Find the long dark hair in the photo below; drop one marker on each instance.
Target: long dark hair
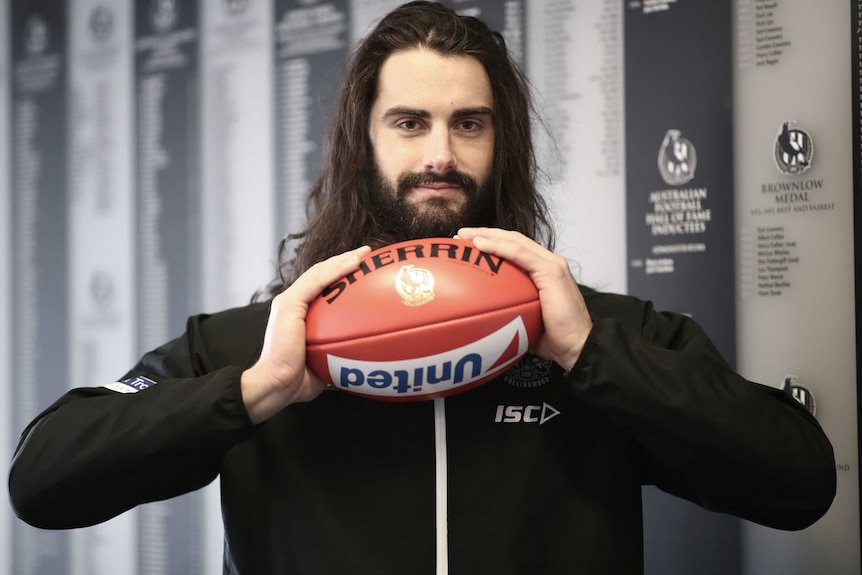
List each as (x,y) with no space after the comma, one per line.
(340,217)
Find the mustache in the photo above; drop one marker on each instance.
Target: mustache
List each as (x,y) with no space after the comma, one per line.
(409,180)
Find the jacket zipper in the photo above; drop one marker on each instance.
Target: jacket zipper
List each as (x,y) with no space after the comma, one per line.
(441,482)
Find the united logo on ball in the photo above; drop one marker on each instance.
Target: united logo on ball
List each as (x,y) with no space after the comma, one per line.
(422,319)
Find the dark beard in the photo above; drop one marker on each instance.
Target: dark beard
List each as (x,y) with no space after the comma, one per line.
(436,218)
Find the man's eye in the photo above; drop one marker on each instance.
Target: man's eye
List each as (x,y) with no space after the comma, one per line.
(409,125)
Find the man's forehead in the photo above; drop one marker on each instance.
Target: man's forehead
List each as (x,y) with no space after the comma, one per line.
(423,79)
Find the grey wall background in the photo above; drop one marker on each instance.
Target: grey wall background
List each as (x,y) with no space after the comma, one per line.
(153,153)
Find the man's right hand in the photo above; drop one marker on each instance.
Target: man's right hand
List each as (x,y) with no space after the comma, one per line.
(280,376)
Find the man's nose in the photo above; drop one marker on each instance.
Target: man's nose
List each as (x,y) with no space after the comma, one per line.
(439,156)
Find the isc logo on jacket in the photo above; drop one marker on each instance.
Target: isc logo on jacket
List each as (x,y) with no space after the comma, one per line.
(525,413)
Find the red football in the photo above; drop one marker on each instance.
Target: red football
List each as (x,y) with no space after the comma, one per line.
(422,319)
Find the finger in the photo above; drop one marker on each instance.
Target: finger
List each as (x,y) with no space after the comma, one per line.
(512,246)
(323,274)
(495,237)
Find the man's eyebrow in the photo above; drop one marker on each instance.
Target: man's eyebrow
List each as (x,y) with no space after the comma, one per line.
(477,111)
(405,111)
(416,112)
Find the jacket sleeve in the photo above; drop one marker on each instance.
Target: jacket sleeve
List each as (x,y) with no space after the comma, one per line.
(708,435)
(96,453)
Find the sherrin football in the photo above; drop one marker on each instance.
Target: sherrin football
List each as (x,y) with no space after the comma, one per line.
(422,319)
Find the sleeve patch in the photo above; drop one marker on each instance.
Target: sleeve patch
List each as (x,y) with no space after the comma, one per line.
(131,385)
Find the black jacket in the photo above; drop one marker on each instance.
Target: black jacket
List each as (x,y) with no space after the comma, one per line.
(534,472)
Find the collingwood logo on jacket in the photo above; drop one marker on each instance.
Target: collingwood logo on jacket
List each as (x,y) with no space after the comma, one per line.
(530,372)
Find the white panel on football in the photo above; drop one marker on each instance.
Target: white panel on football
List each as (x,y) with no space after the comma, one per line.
(795,266)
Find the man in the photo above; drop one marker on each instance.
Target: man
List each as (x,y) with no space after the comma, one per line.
(431,133)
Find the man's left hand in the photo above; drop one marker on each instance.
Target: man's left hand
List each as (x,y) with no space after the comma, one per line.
(564,312)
